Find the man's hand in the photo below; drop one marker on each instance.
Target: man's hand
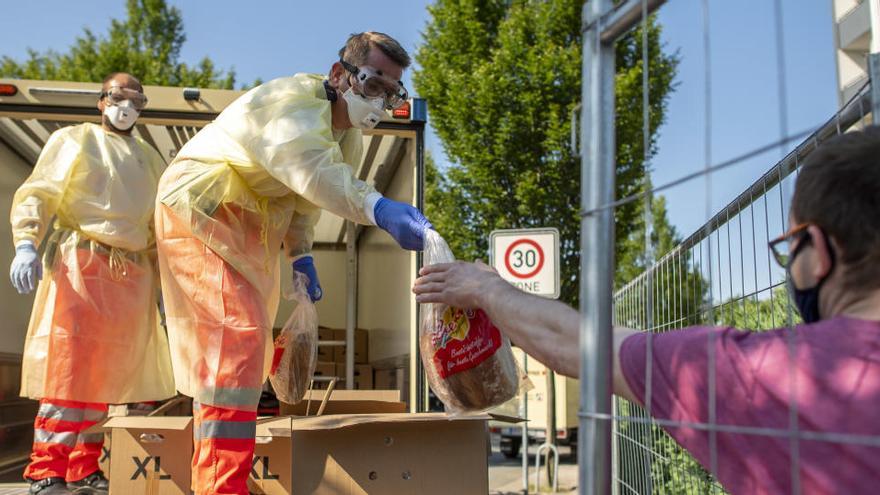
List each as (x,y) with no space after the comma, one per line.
(459,284)
(306,266)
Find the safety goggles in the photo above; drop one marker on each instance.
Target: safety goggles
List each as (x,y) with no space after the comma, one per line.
(116,95)
(370,84)
(786,246)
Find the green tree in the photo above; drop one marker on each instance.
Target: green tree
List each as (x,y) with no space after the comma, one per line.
(502,77)
(146,44)
(679,292)
(776,311)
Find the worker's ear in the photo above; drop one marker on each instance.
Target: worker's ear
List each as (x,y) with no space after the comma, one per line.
(101,104)
(338,77)
(822,256)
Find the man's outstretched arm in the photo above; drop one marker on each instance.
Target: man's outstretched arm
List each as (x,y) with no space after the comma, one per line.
(547,330)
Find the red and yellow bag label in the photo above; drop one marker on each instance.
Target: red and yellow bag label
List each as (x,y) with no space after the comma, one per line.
(463,339)
(280,344)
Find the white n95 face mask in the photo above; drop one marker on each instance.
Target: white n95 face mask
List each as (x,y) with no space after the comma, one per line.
(122,116)
(364,113)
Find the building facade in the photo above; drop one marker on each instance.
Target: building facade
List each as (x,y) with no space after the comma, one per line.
(853,20)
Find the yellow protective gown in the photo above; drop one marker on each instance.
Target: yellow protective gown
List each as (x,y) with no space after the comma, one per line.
(94,334)
(256,177)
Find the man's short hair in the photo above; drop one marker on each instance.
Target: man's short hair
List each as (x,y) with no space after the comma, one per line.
(357,48)
(109,77)
(838,189)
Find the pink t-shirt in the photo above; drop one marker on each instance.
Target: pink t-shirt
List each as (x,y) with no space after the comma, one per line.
(837,380)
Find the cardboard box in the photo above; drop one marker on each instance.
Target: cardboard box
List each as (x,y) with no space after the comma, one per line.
(177,406)
(347,402)
(363,376)
(356,454)
(151,454)
(104,460)
(324,369)
(389,379)
(326,353)
(361,346)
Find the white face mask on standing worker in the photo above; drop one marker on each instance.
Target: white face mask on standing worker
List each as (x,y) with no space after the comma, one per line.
(123,107)
(370,94)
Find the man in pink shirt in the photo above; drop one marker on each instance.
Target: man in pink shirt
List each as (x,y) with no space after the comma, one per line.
(830,373)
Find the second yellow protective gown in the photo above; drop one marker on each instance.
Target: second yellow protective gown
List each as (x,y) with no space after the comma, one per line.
(94,334)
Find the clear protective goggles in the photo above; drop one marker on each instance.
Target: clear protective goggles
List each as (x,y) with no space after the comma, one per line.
(116,95)
(369,83)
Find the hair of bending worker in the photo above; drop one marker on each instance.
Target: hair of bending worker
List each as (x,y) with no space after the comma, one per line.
(832,255)
(94,336)
(251,182)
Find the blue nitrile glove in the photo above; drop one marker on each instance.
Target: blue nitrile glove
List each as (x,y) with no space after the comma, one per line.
(26,268)
(306,266)
(406,224)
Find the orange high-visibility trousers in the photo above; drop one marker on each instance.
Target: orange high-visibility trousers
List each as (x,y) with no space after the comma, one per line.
(219,325)
(61,449)
(219,321)
(223,449)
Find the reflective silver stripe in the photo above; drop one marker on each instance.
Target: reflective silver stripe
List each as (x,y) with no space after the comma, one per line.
(65,438)
(233,398)
(58,413)
(90,438)
(228,429)
(93,415)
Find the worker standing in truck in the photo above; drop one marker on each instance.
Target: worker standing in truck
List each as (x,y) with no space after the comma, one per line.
(94,336)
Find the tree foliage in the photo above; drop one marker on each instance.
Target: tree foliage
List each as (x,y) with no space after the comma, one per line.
(146,44)
(502,78)
(752,313)
(678,292)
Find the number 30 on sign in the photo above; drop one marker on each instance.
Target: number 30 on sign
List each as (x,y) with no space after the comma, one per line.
(528,259)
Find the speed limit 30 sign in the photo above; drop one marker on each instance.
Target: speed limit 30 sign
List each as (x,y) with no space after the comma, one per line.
(528,259)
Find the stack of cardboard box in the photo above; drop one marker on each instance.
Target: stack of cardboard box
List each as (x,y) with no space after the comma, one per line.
(331,359)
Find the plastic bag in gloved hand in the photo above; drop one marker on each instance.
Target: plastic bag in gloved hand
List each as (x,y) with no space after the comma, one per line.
(468,362)
(296,347)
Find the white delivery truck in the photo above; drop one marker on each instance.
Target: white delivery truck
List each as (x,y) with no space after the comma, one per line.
(366,277)
(567,402)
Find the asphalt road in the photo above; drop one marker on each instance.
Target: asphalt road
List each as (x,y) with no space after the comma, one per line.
(505,475)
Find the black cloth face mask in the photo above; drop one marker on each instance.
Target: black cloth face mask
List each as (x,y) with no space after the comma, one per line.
(807,300)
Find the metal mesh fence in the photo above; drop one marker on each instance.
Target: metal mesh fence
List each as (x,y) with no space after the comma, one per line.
(721,275)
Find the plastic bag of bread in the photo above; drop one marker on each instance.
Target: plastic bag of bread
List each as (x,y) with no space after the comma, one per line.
(468,361)
(296,347)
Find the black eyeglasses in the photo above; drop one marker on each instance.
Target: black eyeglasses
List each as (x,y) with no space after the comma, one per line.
(783,248)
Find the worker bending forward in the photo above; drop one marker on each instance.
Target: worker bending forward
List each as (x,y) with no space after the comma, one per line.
(253,180)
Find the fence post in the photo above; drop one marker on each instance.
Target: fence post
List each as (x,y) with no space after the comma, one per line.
(597,259)
(524,411)
(874,59)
